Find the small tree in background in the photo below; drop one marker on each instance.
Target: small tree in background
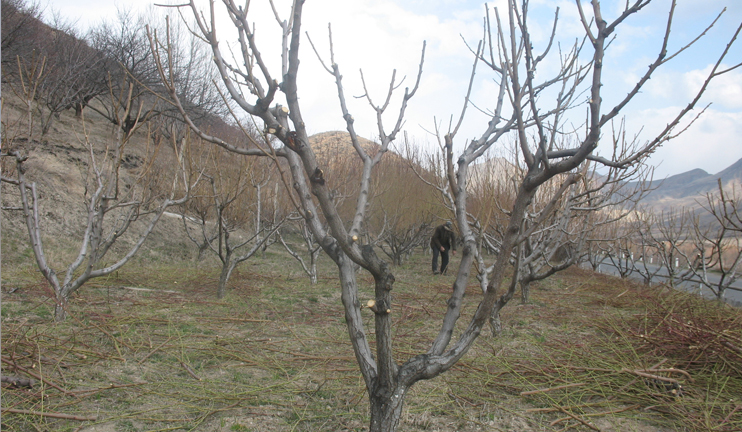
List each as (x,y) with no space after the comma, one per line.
(312,248)
(645,244)
(228,211)
(669,233)
(716,258)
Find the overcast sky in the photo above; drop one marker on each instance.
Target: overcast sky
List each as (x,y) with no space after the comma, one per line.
(379,36)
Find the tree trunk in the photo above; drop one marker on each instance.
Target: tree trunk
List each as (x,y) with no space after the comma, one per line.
(386,410)
(313,269)
(202,248)
(60,309)
(223,279)
(525,291)
(46,124)
(495,322)
(78,110)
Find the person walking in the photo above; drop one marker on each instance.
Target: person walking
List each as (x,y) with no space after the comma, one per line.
(443,240)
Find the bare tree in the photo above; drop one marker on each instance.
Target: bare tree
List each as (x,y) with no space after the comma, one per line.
(129,65)
(557,232)
(31,73)
(646,245)
(113,204)
(22,30)
(717,243)
(670,235)
(128,62)
(311,246)
(50,68)
(251,84)
(75,75)
(228,201)
(620,254)
(266,192)
(554,243)
(400,241)
(402,212)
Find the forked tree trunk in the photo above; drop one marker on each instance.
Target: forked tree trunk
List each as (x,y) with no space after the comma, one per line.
(381,375)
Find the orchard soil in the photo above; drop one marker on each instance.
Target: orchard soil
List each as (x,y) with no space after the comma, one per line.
(152,349)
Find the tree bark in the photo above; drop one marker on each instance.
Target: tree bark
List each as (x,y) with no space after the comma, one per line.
(224,278)
(60,308)
(386,409)
(525,290)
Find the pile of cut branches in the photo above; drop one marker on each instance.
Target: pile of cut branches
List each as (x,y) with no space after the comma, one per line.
(699,335)
(670,357)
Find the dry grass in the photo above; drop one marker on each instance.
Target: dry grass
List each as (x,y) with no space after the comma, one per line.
(274,355)
(589,353)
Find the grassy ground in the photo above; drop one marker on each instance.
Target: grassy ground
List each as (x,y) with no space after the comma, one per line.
(152,349)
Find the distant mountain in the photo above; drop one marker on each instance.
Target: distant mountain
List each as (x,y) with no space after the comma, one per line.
(686,189)
(733,173)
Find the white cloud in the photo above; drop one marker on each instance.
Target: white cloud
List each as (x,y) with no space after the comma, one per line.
(674,87)
(725,90)
(712,143)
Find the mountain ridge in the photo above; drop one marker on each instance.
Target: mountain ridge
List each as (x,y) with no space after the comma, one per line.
(684,189)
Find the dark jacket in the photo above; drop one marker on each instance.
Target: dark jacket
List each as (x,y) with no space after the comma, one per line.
(443,236)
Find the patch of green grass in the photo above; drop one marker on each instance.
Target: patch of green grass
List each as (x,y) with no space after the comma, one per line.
(186,328)
(10,310)
(45,312)
(125,426)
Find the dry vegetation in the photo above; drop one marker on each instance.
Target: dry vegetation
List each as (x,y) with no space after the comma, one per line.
(151,349)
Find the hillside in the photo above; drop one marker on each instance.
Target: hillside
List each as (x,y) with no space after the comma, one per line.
(59,164)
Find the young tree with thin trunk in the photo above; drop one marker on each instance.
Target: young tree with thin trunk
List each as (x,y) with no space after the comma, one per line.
(311,246)
(31,73)
(508,52)
(646,245)
(716,259)
(225,207)
(620,253)
(670,232)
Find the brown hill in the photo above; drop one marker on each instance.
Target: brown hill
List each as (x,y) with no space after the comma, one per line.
(337,145)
